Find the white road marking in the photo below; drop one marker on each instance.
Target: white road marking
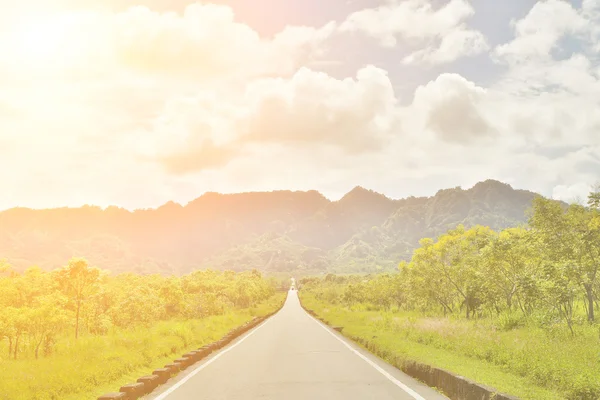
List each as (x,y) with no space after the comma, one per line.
(395,381)
(206,364)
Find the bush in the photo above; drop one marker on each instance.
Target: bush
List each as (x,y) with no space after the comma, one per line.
(510,321)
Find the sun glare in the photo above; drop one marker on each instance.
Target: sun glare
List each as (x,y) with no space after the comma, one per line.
(38,38)
(44,41)
(41,39)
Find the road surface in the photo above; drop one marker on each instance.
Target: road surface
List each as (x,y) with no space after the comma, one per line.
(293,356)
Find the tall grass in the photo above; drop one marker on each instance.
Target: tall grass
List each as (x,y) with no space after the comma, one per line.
(508,354)
(87,367)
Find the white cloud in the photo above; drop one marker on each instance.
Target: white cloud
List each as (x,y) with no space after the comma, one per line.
(451,108)
(166,106)
(311,109)
(354,114)
(550,101)
(538,33)
(441,31)
(577,192)
(206,41)
(203,43)
(191,134)
(590,10)
(413,19)
(458,43)
(90,99)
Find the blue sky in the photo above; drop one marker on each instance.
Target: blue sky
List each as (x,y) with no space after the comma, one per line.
(139,102)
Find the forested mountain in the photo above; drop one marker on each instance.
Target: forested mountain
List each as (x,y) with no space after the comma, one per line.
(272,231)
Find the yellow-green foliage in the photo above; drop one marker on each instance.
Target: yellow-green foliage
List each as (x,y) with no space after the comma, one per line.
(75,332)
(521,304)
(87,367)
(528,361)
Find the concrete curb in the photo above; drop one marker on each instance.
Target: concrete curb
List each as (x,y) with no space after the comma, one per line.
(149,383)
(454,386)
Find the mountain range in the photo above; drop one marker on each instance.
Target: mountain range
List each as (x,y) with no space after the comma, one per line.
(279,231)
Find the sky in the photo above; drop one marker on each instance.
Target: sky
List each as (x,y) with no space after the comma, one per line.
(139,102)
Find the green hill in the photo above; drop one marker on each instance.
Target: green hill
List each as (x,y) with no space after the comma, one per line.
(273,231)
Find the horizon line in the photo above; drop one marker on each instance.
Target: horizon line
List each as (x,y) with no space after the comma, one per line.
(104,208)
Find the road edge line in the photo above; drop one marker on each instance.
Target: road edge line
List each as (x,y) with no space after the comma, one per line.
(382,371)
(180,383)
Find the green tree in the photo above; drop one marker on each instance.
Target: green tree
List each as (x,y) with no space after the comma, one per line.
(78,281)
(512,264)
(448,268)
(7,327)
(571,241)
(594,198)
(46,318)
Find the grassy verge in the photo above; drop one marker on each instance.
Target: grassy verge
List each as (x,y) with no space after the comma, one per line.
(91,366)
(526,362)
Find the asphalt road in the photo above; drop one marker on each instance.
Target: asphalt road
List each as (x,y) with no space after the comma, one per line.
(293,356)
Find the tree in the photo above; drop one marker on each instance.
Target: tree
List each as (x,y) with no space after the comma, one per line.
(7,326)
(172,297)
(18,318)
(425,281)
(48,317)
(5,268)
(447,269)
(594,197)
(571,241)
(78,281)
(512,264)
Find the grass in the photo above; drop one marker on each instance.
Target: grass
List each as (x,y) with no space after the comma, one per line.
(525,361)
(93,365)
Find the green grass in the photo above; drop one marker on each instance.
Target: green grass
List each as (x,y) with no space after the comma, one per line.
(527,362)
(93,365)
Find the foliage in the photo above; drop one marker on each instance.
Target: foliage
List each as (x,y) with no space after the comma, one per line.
(96,364)
(526,361)
(76,328)
(523,299)
(38,308)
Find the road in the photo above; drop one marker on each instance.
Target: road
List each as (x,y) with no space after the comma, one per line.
(293,356)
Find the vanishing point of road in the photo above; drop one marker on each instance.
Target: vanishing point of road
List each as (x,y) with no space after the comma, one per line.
(292,356)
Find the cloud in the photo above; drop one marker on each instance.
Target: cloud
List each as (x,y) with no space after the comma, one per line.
(298,46)
(413,19)
(202,43)
(143,107)
(549,96)
(458,43)
(355,115)
(539,32)
(311,109)
(550,102)
(577,192)
(201,157)
(452,108)
(442,31)
(191,133)
(590,10)
(206,41)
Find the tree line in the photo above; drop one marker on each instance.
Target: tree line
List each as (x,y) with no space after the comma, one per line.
(547,268)
(39,307)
